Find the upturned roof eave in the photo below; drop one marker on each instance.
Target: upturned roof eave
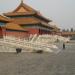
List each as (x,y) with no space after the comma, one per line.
(16,30)
(10,14)
(48,20)
(4,19)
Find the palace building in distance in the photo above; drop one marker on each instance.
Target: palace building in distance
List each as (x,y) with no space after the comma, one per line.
(23,21)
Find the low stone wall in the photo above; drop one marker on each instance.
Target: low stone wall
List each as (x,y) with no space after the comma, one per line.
(7,48)
(11,48)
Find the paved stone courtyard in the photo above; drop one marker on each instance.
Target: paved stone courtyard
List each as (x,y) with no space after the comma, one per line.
(62,63)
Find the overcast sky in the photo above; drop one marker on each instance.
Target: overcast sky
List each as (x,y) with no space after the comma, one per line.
(61,12)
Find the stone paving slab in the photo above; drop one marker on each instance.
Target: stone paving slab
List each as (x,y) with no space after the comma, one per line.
(62,63)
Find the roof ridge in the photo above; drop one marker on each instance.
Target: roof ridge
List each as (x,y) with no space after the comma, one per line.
(25,6)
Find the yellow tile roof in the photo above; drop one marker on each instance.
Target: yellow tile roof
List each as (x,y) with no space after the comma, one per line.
(14,26)
(3,18)
(31,20)
(68,33)
(24,9)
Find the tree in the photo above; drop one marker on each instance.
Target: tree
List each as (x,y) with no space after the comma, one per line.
(67,30)
(63,30)
(72,30)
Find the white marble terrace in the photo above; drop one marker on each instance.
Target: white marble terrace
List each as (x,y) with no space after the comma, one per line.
(34,43)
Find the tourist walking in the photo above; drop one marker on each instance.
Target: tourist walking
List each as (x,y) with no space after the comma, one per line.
(63,45)
(18,50)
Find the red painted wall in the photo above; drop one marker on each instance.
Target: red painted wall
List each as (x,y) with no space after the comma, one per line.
(24,34)
(44,32)
(37,31)
(32,30)
(17,34)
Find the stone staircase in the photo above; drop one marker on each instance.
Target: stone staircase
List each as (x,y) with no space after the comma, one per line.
(9,44)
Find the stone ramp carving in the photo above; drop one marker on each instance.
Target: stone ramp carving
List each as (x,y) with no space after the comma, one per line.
(10,46)
(35,42)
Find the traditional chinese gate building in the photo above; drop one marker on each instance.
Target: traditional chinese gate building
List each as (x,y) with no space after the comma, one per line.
(24,21)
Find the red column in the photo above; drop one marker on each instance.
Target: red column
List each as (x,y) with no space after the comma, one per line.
(1,33)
